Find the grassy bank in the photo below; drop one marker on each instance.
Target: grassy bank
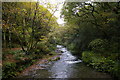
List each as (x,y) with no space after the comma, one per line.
(15,61)
(108,63)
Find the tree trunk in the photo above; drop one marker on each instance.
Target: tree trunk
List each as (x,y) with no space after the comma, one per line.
(9,39)
(4,39)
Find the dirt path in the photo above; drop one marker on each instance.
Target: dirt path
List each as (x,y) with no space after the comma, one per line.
(13,49)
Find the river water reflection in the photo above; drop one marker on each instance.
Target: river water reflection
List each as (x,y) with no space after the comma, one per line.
(67,67)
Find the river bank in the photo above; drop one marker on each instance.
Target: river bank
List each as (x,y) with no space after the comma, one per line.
(101,63)
(15,62)
(45,59)
(68,66)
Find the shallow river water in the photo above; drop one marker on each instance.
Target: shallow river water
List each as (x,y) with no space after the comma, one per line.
(67,67)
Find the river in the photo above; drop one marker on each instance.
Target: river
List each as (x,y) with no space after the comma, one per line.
(68,66)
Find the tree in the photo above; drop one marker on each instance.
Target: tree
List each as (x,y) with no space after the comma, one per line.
(90,21)
(29,22)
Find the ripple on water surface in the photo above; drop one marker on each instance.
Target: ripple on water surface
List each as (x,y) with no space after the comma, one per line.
(67,67)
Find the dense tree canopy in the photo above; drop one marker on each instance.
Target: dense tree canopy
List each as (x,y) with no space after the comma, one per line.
(27,24)
(89,21)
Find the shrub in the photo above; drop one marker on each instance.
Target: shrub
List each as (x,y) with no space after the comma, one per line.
(9,69)
(41,48)
(101,63)
(87,56)
(98,45)
(19,56)
(9,64)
